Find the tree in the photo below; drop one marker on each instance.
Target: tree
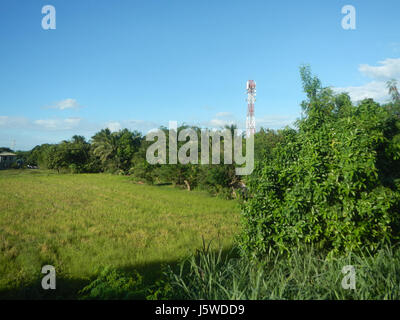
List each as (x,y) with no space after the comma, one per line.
(78,153)
(128,144)
(328,182)
(116,149)
(231,128)
(57,157)
(105,146)
(265,141)
(5,149)
(393,91)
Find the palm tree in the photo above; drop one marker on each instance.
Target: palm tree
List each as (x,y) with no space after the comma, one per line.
(76,139)
(231,128)
(105,145)
(393,91)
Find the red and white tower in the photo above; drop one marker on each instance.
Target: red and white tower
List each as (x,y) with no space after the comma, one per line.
(251,98)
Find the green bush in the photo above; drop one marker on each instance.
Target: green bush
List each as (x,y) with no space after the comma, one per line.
(332,183)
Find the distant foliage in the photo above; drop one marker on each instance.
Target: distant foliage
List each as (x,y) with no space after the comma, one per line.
(112,284)
(218,179)
(334,182)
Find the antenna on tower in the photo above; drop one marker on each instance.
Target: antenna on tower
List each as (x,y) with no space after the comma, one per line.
(13,145)
(251,98)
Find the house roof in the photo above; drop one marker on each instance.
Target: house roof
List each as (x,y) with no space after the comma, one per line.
(7,154)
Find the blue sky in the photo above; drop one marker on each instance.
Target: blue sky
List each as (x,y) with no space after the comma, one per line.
(139,64)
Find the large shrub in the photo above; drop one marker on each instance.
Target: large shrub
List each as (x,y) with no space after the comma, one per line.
(333,182)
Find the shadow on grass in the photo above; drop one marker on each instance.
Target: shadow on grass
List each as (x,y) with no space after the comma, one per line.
(162,184)
(68,288)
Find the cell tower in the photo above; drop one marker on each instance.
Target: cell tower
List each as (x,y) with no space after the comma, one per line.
(251,98)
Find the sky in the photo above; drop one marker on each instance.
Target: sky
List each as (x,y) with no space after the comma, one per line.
(140,64)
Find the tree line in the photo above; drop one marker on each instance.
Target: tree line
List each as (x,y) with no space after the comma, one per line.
(124,153)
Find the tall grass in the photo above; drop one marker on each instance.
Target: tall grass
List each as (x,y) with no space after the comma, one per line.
(307,274)
(82,223)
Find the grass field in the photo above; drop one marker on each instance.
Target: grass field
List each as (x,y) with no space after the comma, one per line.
(81,223)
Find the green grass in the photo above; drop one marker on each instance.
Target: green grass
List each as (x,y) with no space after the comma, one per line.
(83,223)
(306,275)
(110,238)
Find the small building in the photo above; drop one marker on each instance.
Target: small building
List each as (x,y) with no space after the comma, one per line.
(7,159)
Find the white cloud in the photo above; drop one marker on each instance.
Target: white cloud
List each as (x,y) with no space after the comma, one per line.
(114,126)
(65,104)
(388,69)
(143,126)
(224,115)
(274,121)
(221,119)
(376,89)
(48,123)
(58,124)
(219,122)
(72,121)
(267,121)
(12,122)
